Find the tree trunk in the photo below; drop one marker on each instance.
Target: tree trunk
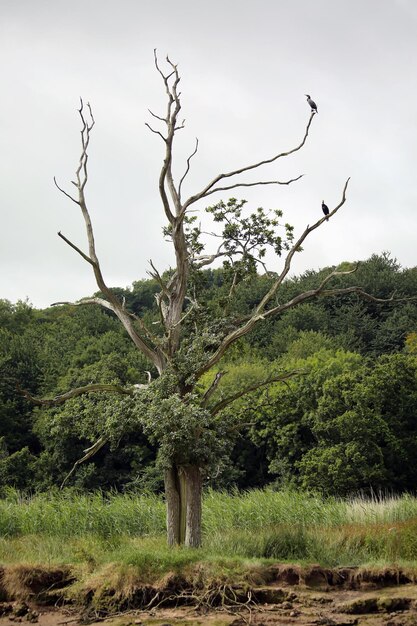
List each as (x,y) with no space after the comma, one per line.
(183,501)
(192,476)
(172,497)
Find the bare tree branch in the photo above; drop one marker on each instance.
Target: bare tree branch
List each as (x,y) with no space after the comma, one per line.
(172,303)
(191,308)
(74,393)
(170,197)
(255,184)
(173,293)
(233,285)
(243,392)
(338,291)
(213,387)
(260,313)
(74,247)
(95,300)
(157,132)
(111,302)
(158,117)
(173,108)
(187,169)
(157,276)
(204,192)
(208,259)
(89,453)
(64,192)
(163,297)
(154,339)
(297,246)
(81,172)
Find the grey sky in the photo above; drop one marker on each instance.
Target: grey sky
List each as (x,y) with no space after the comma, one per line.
(245,68)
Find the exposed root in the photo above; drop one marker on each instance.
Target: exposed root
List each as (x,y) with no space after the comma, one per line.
(204,588)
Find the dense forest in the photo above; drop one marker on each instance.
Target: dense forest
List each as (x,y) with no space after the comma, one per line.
(346,421)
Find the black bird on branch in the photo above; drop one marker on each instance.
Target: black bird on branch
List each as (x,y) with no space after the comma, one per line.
(312,104)
(325,209)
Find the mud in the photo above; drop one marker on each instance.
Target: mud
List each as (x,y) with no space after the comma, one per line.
(291,595)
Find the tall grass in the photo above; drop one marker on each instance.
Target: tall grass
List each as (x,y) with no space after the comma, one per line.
(64,514)
(256,509)
(261,524)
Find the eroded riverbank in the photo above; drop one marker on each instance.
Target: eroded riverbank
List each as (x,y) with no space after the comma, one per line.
(291,595)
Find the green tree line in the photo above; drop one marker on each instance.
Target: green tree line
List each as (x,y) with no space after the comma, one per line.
(346,422)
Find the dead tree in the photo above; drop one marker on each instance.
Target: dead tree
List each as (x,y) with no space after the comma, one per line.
(176,303)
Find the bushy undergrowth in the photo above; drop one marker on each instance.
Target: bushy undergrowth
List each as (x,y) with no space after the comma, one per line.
(93,530)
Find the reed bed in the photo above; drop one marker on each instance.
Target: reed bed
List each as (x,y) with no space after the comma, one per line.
(259,525)
(258,508)
(68,514)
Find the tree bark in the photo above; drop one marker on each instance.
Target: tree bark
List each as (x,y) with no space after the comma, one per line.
(183,495)
(172,496)
(192,475)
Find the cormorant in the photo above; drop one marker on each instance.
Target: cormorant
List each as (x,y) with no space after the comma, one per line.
(312,104)
(325,208)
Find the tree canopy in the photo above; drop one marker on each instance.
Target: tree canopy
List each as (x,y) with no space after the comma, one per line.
(347,422)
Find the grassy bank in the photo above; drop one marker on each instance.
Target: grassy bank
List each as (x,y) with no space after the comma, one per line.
(257,526)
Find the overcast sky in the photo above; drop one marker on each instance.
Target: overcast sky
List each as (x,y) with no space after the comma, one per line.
(245,68)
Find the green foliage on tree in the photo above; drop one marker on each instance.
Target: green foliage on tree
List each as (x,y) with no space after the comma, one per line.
(46,352)
(360,325)
(346,422)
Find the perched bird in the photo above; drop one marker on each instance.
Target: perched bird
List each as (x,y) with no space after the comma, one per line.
(325,209)
(312,104)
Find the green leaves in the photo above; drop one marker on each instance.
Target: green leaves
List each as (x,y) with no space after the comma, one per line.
(348,424)
(310,431)
(184,431)
(245,240)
